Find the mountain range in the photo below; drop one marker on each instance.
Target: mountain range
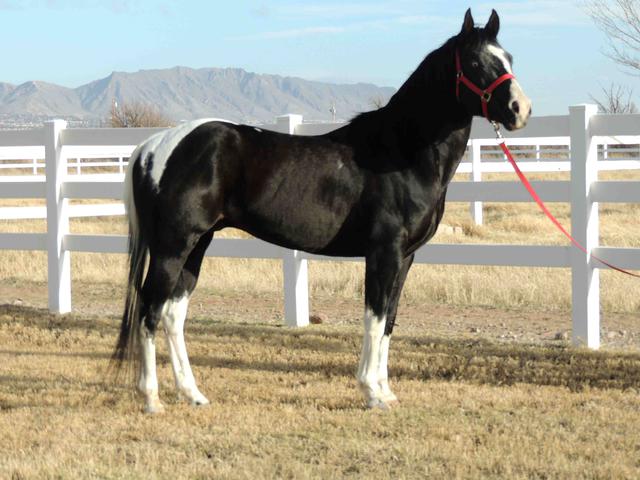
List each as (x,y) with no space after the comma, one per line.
(182,93)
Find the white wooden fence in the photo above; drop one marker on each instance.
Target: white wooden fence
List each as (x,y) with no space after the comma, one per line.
(539,155)
(583,128)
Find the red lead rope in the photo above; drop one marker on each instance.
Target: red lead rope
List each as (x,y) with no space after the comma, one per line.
(544,208)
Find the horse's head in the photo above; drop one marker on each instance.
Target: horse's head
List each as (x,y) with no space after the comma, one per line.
(485,84)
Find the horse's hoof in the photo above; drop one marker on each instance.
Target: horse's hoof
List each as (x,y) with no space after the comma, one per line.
(391,402)
(200,401)
(154,408)
(378,404)
(386,394)
(196,398)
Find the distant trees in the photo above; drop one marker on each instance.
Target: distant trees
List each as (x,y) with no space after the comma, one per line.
(136,114)
(620,21)
(616,99)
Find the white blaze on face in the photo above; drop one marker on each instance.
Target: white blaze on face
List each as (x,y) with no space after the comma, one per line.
(519,103)
(502,56)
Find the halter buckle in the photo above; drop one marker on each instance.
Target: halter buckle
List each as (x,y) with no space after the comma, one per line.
(486,96)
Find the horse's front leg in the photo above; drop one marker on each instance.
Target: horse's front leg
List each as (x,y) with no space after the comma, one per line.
(383,268)
(383,375)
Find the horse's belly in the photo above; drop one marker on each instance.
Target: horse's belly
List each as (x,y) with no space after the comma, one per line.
(304,206)
(303,226)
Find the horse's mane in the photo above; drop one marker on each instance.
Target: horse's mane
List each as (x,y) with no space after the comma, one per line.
(422,109)
(431,73)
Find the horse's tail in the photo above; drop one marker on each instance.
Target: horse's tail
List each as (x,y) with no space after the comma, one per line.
(127,346)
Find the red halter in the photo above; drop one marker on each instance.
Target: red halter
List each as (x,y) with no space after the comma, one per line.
(485,95)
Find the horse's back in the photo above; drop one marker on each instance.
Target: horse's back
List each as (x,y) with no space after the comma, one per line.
(154,154)
(293,191)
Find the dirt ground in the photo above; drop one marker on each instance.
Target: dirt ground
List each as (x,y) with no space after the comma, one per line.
(619,331)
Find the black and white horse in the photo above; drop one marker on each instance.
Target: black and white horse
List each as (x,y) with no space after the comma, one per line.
(374,188)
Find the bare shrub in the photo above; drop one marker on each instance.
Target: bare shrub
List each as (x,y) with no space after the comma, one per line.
(620,21)
(137,114)
(377,101)
(616,99)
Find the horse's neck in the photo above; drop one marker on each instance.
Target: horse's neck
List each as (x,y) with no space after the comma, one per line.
(422,123)
(425,106)
(425,116)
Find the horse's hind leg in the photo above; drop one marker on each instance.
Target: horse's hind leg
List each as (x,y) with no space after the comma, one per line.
(161,280)
(173,317)
(148,379)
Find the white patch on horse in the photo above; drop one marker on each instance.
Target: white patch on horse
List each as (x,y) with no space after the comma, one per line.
(257,129)
(516,94)
(174,313)
(148,380)
(369,369)
(162,145)
(502,56)
(383,373)
(129,204)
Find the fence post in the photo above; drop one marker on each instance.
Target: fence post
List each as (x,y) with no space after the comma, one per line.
(288,123)
(58,259)
(296,290)
(475,153)
(585,279)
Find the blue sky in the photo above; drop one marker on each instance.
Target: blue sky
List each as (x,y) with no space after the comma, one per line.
(557,49)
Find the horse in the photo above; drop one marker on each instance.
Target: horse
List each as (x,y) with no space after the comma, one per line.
(374,188)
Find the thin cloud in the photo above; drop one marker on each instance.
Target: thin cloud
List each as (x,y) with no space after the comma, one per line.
(291,33)
(390,16)
(113,6)
(261,11)
(538,13)
(383,24)
(337,10)
(12,5)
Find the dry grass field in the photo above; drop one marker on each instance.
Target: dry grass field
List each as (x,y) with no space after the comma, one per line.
(285,405)
(489,386)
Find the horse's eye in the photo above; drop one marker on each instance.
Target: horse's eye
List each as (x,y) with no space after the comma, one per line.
(475,64)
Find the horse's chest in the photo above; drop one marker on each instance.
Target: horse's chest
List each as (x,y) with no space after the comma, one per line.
(428,191)
(421,226)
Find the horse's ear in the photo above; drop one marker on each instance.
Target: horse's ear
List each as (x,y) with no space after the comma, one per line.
(467,24)
(493,25)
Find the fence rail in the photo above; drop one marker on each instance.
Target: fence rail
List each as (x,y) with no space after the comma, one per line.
(615,153)
(581,130)
(537,158)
